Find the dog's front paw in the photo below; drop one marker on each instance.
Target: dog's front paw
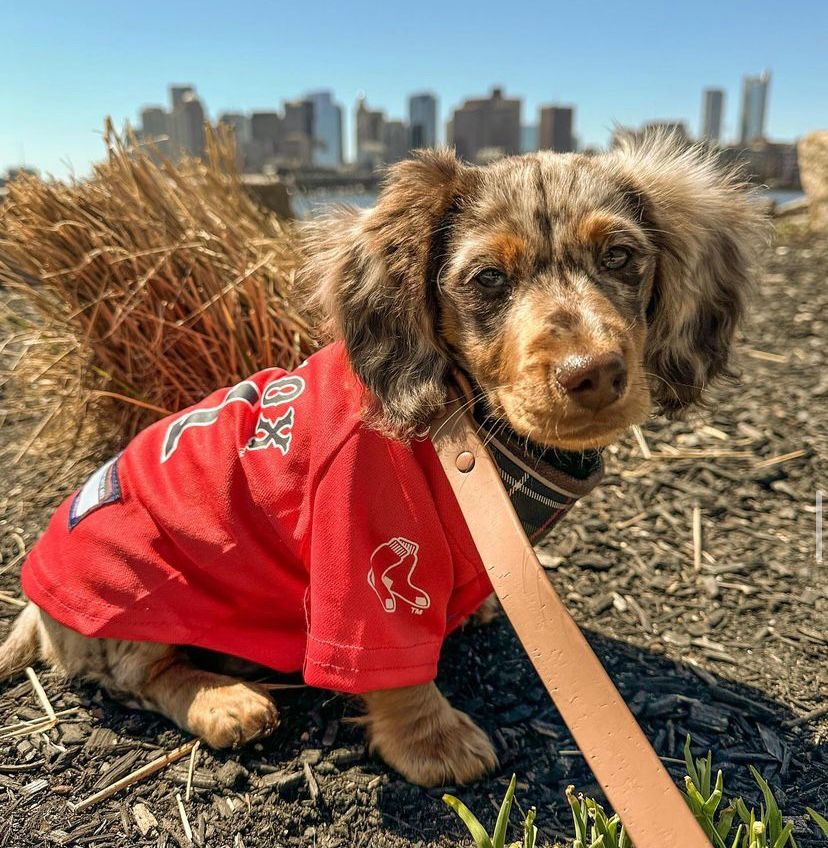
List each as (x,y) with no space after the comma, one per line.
(231,715)
(451,750)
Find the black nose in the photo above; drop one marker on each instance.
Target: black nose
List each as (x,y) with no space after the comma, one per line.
(593,382)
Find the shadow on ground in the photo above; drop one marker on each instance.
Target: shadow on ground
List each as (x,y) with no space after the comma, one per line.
(263,795)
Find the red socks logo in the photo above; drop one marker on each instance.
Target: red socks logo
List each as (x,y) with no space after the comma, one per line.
(392,565)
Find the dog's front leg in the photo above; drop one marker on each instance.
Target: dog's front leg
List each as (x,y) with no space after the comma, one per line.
(418,732)
(224,711)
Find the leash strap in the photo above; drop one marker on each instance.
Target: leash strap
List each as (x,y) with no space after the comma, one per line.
(636,783)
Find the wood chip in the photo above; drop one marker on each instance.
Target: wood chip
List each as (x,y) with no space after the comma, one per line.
(117,769)
(190,768)
(310,779)
(642,442)
(715,433)
(185,822)
(34,787)
(642,616)
(773,744)
(40,692)
(765,356)
(139,774)
(37,725)
(144,819)
(698,453)
(100,739)
(5,597)
(778,460)
(697,538)
(281,780)
(817,712)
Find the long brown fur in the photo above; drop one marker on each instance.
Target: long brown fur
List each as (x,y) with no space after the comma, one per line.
(401,285)
(393,281)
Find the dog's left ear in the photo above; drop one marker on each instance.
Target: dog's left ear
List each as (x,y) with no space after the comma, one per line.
(373,277)
(708,229)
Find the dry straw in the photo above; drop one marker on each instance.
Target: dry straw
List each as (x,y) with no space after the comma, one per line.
(170,280)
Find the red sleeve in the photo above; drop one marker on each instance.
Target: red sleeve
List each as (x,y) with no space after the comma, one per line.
(380,571)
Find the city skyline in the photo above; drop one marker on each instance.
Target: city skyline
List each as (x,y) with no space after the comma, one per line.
(65,72)
(307,132)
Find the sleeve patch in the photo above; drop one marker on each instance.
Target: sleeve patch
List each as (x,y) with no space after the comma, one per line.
(102,488)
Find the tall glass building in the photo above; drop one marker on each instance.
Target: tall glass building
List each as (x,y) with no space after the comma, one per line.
(327,130)
(422,120)
(754,107)
(712,109)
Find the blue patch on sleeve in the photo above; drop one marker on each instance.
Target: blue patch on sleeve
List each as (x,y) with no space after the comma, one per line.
(103,487)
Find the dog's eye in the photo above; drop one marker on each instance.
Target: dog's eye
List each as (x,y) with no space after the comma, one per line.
(492,279)
(615,258)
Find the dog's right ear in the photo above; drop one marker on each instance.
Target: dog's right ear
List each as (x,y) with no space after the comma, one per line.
(371,276)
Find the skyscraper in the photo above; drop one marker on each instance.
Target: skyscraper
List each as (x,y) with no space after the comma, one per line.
(265,135)
(555,131)
(422,120)
(712,108)
(154,122)
(178,92)
(188,125)
(239,123)
(155,128)
(327,129)
(296,144)
(369,134)
(754,107)
(395,141)
(491,124)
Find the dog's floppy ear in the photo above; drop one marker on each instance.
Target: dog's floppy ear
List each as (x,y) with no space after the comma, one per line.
(373,275)
(708,229)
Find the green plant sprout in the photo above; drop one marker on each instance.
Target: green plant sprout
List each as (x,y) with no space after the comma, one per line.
(704,795)
(498,837)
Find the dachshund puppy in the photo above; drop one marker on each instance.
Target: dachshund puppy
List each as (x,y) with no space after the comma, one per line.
(576,293)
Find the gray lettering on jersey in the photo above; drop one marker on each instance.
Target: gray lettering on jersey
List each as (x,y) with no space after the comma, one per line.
(246,392)
(277,434)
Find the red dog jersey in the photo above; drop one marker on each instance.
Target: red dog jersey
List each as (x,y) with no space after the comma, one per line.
(270,523)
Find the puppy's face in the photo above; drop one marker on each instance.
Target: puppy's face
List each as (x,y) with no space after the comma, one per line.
(576,292)
(542,295)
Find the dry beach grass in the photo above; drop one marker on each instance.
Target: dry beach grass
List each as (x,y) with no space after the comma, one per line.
(169,280)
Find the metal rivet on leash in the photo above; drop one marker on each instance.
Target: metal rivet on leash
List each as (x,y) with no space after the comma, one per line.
(465,461)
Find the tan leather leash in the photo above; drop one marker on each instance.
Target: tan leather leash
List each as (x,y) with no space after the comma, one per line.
(636,783)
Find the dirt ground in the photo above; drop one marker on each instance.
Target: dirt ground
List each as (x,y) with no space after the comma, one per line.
(734,653)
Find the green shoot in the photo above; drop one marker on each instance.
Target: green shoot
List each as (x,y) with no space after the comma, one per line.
(704,795)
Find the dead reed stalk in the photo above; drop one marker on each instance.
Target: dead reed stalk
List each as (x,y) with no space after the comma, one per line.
(169,278)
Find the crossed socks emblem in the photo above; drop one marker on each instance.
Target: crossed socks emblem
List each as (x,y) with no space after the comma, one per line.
(392,565)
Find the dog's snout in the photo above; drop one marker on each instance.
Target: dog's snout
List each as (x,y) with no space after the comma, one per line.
(593,382)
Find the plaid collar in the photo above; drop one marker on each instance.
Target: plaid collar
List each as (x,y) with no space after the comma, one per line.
(543,483)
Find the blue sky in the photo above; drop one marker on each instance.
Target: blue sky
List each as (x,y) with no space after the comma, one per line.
(64,65)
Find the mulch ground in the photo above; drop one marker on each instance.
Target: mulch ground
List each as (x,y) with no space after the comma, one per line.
(733,652)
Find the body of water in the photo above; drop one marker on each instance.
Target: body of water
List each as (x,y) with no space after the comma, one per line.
(783,195)
(304,205)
